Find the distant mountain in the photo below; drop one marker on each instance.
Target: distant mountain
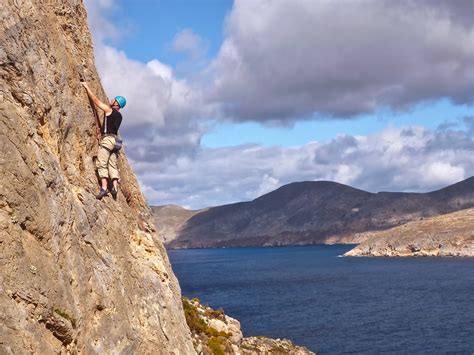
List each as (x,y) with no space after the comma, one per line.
(169,219)
(310,213)
(451,234)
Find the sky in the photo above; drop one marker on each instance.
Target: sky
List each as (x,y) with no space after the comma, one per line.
(229,100)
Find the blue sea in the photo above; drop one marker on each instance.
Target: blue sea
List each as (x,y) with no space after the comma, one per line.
(333,304)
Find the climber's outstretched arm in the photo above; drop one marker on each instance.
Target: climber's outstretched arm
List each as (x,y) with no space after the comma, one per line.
(104,107)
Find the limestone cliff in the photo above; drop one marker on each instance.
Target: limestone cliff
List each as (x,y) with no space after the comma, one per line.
(76,274)
(451,234)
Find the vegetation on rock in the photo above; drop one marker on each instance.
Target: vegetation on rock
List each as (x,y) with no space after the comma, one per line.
(216,333)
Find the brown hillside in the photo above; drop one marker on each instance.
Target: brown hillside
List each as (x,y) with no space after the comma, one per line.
(314,212)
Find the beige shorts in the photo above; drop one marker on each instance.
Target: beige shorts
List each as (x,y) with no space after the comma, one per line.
(106,160)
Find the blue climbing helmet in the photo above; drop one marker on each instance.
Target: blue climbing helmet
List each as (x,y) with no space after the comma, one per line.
(121,101)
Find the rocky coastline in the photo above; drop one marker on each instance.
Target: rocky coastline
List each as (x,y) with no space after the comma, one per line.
(214,332)
(447,235)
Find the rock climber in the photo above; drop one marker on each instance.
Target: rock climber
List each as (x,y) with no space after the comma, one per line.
(109,144)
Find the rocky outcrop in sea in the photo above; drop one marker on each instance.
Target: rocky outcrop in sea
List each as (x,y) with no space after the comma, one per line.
(451,234)
(214,332)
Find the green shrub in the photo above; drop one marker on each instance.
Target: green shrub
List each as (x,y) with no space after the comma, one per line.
(216,313)
(195,322)
(213,332)
(215,344)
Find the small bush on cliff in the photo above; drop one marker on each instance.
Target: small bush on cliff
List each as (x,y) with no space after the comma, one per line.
(216,346)
(216,313)
(195,323)
(215,333)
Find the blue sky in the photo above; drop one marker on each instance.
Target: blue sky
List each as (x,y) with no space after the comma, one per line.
(229,100)
(151,26)
(149,29)
(429,115)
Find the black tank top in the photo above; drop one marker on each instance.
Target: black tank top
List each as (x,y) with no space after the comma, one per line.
(111,123)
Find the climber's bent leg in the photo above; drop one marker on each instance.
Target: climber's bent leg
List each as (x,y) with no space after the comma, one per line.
(103,155)
(113,172)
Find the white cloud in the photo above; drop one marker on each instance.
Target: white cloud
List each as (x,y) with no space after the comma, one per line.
(162,119)
(163,116)
(395,159)
(289,59)
(442,173)
(346,174)
(101,27)
(267,184)
(187,41)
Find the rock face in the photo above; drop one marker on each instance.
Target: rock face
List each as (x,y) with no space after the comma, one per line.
(447,235)
(216,333)
(312,213)
(76,274)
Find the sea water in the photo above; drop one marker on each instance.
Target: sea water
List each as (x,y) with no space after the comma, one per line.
(337,305)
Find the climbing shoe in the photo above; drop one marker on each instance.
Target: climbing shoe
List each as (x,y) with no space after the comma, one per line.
(114,193)
(101,194)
